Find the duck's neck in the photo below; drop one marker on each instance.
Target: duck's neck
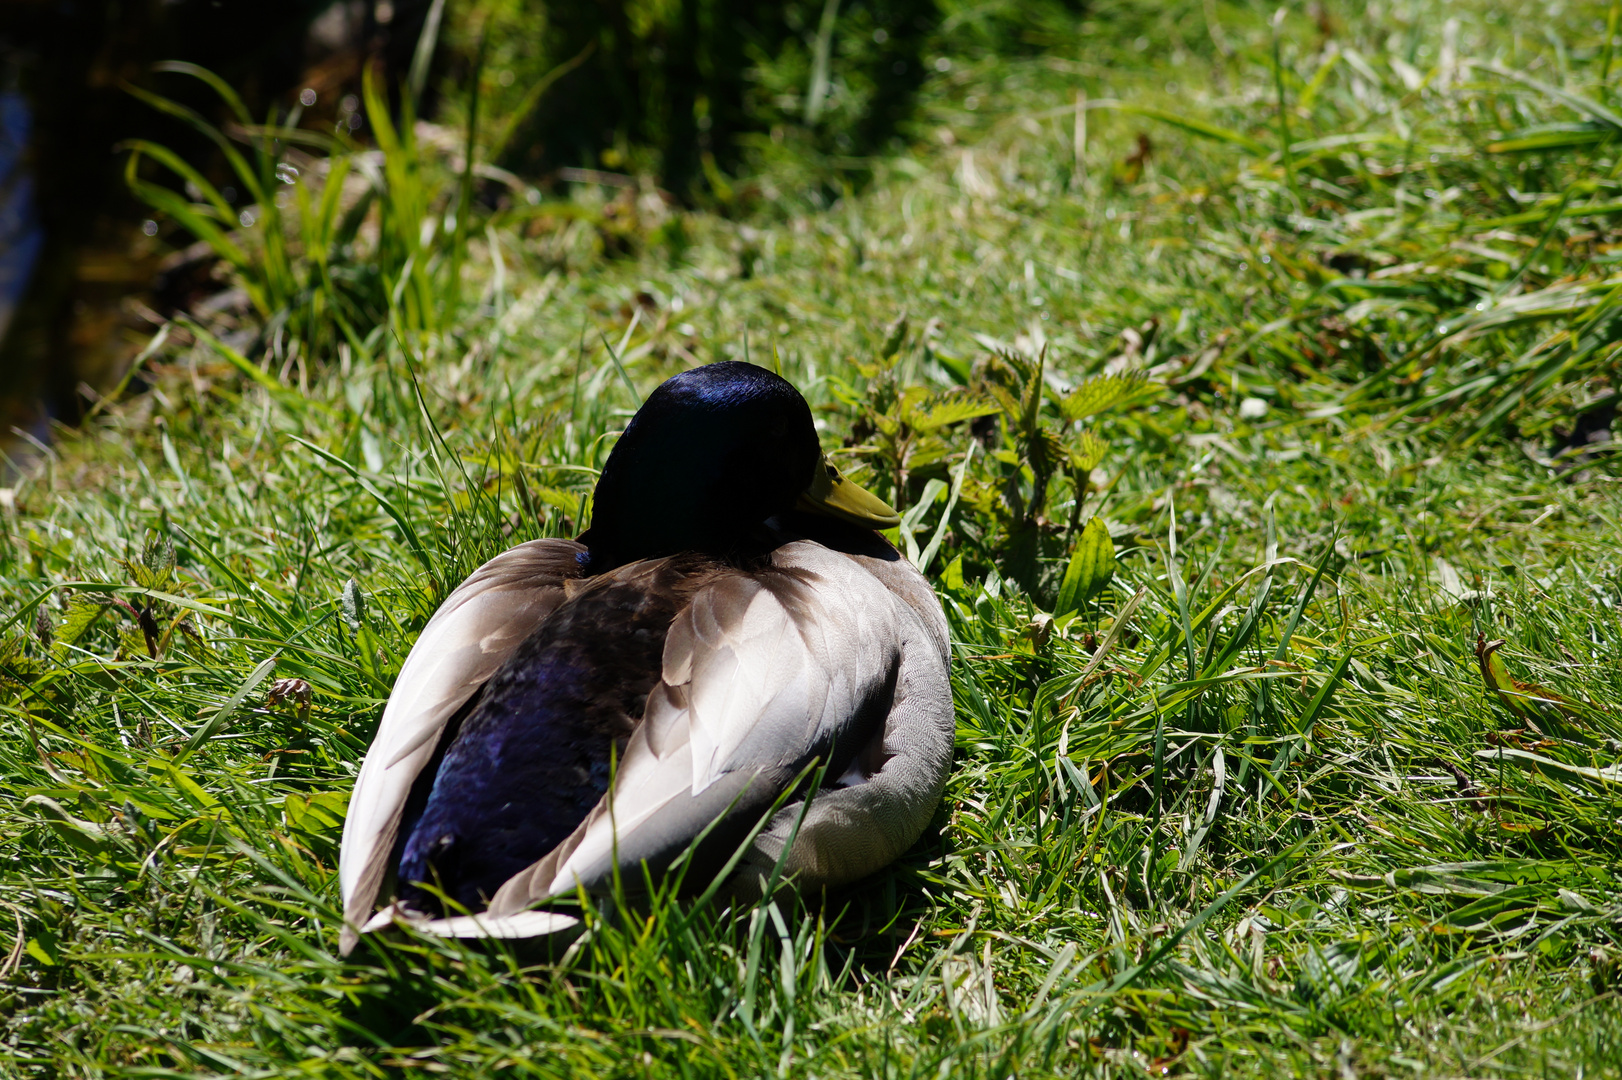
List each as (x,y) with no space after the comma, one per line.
(651,508)
(610,548)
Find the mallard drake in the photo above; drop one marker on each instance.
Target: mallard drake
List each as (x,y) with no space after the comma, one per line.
(729,619)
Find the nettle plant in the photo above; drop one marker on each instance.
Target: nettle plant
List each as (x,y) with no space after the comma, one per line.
(1018,453)
(902,430)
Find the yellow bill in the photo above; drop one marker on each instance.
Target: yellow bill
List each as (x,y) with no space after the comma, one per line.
(830,493)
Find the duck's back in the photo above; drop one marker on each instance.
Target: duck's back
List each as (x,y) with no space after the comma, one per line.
(817,660)
(706,692)
(535,752)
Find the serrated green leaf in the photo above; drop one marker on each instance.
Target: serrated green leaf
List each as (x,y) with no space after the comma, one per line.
(1046,450)
(1088,451)
(1099,393)
(944,412)
(1005,400)
(157,563)
(1092,565)
(322,813)
(19,666)
(1031,403)
(132,644)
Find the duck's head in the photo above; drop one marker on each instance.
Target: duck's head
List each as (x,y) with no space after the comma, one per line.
(711,454)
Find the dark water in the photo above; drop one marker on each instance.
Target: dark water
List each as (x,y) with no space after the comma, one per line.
(86,274)
(20,234)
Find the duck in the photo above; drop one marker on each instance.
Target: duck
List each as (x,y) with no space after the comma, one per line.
(730,671)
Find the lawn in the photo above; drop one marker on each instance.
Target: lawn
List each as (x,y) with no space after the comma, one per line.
(1244,383)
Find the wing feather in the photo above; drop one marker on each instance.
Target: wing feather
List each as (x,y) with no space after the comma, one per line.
(761,673)
(469,637)
(884,801)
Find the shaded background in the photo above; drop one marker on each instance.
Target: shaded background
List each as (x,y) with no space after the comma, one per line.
(80,275)
(683,92)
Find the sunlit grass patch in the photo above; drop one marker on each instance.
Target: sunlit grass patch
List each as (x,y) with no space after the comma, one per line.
(1223,519)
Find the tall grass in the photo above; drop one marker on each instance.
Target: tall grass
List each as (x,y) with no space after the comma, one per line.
(337,243)
(1226,527)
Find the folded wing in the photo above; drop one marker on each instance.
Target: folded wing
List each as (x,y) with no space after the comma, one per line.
(469,637)
(763,673)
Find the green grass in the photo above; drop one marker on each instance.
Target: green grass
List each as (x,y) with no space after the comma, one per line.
(1248,808)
